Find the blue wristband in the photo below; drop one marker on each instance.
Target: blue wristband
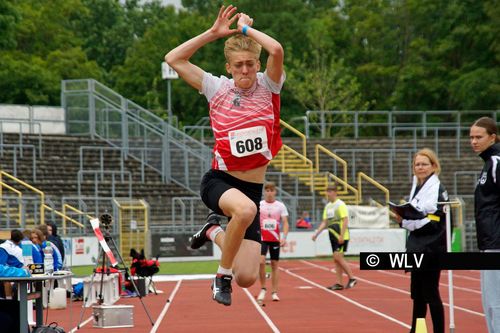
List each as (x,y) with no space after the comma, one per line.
(244,30)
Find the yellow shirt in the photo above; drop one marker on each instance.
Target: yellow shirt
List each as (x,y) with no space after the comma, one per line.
(334,213)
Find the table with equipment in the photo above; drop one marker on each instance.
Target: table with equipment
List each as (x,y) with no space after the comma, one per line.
(26,294)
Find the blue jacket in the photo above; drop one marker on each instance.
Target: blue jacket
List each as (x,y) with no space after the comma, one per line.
(6,271)
(37,254)
(11,254)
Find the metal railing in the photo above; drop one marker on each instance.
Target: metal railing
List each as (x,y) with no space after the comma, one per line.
(32,208)
(83,208)
(362,176)
(457,131)
(93,154)
(15,153)
(39,205)
(20,132)
(357,123)
(386,156)
(96,110)
(100,180)
(321,149)
(460,174)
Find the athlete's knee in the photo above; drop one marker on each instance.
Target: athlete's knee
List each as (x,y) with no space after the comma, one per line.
(245,279)
(338,255)
(246,213)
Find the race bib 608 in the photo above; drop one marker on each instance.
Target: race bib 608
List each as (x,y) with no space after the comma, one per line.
(248,141)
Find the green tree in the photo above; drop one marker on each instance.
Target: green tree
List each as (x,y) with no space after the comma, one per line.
(8,19)
(48,25)
(326,84)
(47,52)
(106,32)
(25,79)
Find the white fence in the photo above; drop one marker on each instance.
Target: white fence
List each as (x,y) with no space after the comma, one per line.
(32,119)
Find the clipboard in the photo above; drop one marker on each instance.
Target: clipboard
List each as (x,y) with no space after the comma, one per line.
(407,211)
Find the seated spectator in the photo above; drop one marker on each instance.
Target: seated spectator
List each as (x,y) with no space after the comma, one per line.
(304,222)
(58,259)
(11,253)
(37,239)
(55,238)
(11,260)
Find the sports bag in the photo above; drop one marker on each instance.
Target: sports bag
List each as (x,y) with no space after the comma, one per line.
(51,328)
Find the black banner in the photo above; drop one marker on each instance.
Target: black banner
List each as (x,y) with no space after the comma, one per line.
(429,261)
(177,245)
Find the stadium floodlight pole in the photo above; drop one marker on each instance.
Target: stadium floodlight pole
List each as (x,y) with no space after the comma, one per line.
(447,211)
(168,73)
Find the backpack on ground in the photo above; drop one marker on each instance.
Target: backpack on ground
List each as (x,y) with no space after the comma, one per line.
(51,328)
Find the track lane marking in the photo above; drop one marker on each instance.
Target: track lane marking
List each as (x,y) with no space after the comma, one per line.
(85,322)
(397,289)
(262,313)
(166,307)
(440,283)
(378,313)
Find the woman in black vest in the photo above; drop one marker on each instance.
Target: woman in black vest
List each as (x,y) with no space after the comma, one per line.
(485,142)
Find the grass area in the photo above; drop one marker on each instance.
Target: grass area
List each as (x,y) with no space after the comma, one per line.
(185,267)
(190,267)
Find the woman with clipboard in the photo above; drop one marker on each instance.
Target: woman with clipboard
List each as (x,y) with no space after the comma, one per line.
(427,234)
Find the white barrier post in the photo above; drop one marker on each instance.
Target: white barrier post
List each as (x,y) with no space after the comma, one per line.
(447,210)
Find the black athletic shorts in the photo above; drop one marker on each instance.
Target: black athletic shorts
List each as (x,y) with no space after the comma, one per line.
(215,183)
(274,249)
(336,247)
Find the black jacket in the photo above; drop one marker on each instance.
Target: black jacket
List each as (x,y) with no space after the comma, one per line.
(54,238)
(431,237)
(487,200)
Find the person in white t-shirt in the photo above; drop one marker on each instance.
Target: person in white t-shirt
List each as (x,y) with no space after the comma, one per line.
(245,119)
(273,220)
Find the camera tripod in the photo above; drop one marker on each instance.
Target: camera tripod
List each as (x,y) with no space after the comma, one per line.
(105,220)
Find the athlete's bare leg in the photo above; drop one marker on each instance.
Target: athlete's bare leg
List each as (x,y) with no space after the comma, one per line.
(242,255)
(274,275)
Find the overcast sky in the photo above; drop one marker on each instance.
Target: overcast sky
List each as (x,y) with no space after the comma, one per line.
(177,3)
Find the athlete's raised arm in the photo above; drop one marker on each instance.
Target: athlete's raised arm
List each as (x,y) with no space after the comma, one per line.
(274,66)
(178,58)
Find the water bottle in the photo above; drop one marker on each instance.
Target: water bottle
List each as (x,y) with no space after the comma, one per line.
(27,247)
(48,259)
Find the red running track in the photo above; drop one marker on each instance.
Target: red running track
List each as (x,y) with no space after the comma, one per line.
(380,302)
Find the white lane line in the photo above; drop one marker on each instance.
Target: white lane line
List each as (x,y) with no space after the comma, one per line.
(262,313)
(359,278)
(399,290)
(298,269)
(347,299)
(165,308)
(81,325)
(465,277)
(444,274)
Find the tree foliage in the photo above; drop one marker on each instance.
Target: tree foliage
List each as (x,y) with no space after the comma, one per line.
(344,55)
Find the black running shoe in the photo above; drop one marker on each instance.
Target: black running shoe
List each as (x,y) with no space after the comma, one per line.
(200,238)
(336,286)
(351,283)
(222,290)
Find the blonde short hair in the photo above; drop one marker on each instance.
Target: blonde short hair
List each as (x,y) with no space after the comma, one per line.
(269,185)
(431,155)
(240,42)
